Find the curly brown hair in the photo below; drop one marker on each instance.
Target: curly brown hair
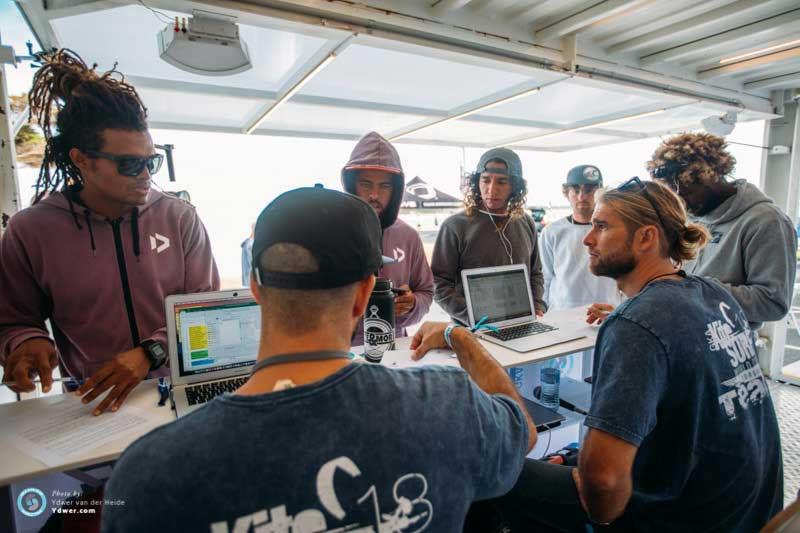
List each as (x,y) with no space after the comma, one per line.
(85,104)
(473,202)
(704,156)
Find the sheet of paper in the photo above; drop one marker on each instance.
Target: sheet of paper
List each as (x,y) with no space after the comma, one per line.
(402,358)
(67,429)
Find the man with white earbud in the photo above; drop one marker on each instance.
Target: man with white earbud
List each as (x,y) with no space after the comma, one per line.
(492,230)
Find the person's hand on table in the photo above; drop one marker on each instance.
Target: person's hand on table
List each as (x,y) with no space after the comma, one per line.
(34,356)
(404,303)
(539,314)
(598,312)
(120,375)
(429,336)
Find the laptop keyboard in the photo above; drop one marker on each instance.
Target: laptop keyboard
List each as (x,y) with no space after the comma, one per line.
(205,392)
(523,330)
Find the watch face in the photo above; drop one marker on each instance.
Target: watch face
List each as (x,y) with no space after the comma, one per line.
(157,350)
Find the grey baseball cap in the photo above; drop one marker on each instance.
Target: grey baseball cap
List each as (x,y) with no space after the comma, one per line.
(584,175)
(509,157)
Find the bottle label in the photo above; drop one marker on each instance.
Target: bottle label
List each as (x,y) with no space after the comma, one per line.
(378,334)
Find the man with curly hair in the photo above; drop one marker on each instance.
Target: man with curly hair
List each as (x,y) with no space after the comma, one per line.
(753,243)
(492,230)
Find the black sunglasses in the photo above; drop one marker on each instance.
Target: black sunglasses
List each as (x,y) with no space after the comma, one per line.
(131,165)
(636,185)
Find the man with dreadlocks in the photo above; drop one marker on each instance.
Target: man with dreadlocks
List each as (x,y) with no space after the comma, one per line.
(492,230)
(100,253)
(753,243)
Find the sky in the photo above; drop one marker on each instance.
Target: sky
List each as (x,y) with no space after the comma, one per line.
(232,177)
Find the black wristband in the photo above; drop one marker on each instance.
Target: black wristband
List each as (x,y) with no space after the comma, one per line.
(155,353)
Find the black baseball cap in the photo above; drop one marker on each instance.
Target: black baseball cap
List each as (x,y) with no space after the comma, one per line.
(584,175)
(340,230)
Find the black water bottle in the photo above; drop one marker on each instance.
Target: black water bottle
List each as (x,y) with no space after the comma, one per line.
(379,321)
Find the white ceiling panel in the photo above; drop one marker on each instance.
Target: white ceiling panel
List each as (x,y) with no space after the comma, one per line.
(568,140)
(387,76)
(569,102)
(467,131)
(127,35)
(197,109)
(322,119)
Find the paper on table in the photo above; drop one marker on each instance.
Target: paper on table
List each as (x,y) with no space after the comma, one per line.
(67,429)
(402,358)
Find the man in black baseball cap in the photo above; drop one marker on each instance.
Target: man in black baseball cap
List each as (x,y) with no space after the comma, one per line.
(313,435)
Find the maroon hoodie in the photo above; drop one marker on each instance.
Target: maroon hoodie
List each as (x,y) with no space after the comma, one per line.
(101,283)
(401,242)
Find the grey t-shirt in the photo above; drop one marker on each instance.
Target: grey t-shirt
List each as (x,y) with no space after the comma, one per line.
(365,449)
(676,374)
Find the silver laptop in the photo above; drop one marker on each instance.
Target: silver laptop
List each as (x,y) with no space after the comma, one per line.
(213,344)
(503,295)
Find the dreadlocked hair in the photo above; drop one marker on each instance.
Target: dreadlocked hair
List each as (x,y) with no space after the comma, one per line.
(85,104)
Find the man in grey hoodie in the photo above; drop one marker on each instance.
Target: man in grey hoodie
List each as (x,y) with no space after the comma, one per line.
(492,230)
(753,243)
(375,175)
(100,253)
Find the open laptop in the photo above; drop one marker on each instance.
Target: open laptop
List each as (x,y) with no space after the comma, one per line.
(503,294)
(213,344)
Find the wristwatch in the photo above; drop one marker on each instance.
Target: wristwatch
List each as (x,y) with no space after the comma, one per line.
(155,353)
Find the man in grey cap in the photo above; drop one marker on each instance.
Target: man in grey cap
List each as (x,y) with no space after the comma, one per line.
(565,260)
(492,230)
(315,441)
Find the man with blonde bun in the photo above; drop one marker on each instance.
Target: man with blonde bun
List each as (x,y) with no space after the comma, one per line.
(753,243)
(682,431)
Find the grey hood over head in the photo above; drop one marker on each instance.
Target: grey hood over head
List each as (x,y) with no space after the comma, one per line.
(373,152)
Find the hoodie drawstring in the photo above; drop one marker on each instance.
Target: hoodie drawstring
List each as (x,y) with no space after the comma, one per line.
(88,217)
(135,232)
(68,194)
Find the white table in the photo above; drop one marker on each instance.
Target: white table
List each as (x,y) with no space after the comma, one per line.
(15,465)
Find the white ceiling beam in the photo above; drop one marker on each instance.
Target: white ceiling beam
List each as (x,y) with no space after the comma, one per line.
(141,82)
(766,25)
(747,64)
(444,6)
(785,81)
(36,17)
(476,106)
(580,20)
(591,123)
(714,16)
(303,74)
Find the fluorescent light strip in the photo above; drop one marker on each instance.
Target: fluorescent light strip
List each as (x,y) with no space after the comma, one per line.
(587,127)
(470,112)
(758,52)
(291,92)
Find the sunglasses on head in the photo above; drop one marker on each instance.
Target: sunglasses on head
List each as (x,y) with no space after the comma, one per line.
(636,185)
(131,165)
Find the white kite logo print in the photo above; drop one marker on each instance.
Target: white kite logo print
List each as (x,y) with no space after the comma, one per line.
(747,387)
(159,243)
(410,512)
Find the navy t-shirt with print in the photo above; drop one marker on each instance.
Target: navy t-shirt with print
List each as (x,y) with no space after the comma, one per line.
(365,449)
(676,374)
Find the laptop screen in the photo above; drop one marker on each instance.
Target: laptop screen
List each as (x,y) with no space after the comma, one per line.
(501,295)
(217,334)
